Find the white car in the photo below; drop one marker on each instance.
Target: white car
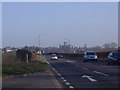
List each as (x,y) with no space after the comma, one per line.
(90,55)
(54,57)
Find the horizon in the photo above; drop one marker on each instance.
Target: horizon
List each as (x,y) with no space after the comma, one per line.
(63,44)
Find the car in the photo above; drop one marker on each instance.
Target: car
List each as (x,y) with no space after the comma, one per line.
(113,58)
(60,56)
(54,57)
(90,55)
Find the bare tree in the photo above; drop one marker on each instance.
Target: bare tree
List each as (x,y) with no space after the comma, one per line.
(97,48)
(106,46)
(113,45)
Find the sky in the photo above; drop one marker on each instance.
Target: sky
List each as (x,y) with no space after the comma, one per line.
(91,23)
(0,24)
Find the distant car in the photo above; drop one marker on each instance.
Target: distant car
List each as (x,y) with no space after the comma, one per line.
(54,54)
(54,57)
(113,58)
(90,55)
(60,56)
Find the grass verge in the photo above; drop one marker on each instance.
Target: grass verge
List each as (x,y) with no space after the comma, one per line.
(9,69)
(12,66)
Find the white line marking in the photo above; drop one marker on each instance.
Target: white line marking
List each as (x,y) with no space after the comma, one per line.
(71,87)
(89,78)
(64,80)
(55,70)
(59,74)
(101,73)
(67,83)
(84,68)
(62,77)
(70,61)
(47,61)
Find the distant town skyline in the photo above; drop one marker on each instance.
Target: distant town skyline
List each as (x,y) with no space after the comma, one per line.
(91,23)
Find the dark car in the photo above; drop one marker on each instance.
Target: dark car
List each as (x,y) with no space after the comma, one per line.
(60,56)
(113,58)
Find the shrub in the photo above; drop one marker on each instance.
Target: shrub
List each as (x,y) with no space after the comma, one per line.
(21,54)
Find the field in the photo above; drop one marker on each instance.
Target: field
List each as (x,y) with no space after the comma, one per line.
(13,66)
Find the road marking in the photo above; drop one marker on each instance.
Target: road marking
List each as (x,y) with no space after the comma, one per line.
(59,74)
(89,78)
(71,87)
(70,61)
(62,77)
(47,61)
(55,70)
(67,83)
(64,80)
(84,68)
(101,73)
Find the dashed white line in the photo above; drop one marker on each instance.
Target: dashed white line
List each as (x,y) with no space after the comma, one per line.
(71,87)
(62,77)
(101,73)
(64,80)
(55,70)
(70,61)
(67,83)
(59,74)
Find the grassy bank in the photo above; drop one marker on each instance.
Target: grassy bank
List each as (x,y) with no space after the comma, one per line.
(12,66)
(8,69)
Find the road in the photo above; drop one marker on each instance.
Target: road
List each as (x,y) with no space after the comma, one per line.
(34,81)
(79,74)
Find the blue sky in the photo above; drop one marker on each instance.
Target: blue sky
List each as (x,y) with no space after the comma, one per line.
(91,23)
(0,25)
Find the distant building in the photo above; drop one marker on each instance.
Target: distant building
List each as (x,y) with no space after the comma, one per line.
(66,47)
(85,46)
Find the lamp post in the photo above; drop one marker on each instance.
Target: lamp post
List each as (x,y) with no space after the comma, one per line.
(39,44)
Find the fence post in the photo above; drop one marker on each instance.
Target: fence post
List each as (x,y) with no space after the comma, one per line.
(27,58)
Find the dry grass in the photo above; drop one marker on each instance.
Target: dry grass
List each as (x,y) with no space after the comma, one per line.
(13,66)
(10,58)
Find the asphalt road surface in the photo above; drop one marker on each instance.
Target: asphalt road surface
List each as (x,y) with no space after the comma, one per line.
(33,81)
(90,74)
